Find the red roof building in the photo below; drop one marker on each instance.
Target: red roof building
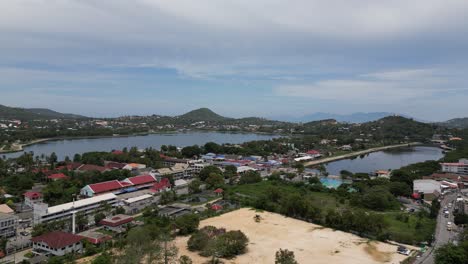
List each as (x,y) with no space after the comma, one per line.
(163,185)
(117,152)
(57,239)
(116,220)
(103,187)
(141,180)
(218,191)
(57,176)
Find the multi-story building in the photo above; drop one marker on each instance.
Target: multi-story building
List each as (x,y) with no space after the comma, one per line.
(42,213)
(460,167)
(8,225)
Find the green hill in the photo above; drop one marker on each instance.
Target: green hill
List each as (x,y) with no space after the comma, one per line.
(202,114)
(7,112)
(400,128)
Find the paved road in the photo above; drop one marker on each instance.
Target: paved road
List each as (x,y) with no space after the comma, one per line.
(442,235)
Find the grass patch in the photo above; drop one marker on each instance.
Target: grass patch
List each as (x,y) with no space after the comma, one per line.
(410,231)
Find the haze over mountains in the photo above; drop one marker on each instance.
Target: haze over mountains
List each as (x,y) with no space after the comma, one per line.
(206,114)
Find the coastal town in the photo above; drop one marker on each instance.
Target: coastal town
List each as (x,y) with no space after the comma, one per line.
(233,132)
(94,199)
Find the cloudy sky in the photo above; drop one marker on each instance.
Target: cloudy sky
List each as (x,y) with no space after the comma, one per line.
(240,58)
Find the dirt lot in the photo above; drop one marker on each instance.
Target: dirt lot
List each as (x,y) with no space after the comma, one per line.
(310,243)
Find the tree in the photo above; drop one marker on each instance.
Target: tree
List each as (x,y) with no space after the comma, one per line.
(187,224)
(378,198)
(231,244)
(284,256)
(194,186)
(450,254)
(191,151)
(81,220)
(212,147)
(400,189)
(198,241)
(435,208)
(53,158)
(205,172)
(77,158)
(98,217)
(119,210)
(230,169)
(250,177)
(214,181)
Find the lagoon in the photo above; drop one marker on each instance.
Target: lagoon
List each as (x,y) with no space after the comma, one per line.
(385,160)
(70,147)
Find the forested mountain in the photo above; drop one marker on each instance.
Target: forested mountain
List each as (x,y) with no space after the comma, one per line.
(7,112)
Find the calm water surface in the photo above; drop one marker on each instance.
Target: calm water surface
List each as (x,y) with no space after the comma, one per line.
(70,147)
(384,160)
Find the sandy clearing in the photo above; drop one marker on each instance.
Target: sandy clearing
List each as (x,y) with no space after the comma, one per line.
(310,243)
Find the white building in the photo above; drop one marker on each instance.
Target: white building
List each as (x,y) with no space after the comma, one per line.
(460,167)
(42,213)
(57,243)
(136,204)
(8,225)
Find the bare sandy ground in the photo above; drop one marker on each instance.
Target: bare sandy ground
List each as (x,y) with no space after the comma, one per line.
(310,243)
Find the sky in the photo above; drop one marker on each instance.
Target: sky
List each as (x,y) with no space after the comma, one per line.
(269,58)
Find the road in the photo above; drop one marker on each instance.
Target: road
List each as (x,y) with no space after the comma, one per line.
(442,235)
(357,153)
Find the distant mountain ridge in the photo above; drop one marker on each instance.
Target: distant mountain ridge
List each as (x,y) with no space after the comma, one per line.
(7,112)
(359,117)
(455,123)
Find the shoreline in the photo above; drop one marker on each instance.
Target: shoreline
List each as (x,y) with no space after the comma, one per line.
(358,153)
(20,147)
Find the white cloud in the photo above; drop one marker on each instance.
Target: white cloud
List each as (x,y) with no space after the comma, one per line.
(389,87)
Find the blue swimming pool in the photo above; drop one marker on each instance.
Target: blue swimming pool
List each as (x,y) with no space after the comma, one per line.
(330,182)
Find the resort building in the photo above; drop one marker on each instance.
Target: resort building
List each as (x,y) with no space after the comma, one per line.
(57,243)
(460,167)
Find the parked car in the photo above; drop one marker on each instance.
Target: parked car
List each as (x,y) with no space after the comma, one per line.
(403,250)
